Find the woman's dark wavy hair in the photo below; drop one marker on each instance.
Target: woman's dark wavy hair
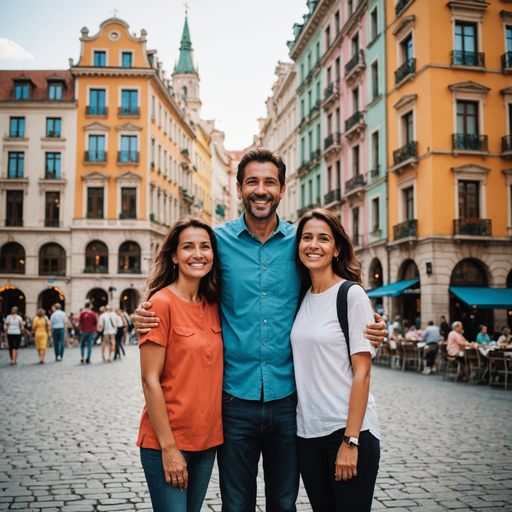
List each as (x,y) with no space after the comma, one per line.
(346,264)
(163,273)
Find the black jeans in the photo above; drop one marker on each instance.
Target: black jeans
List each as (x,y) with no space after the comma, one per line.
(119,343)
(317,457)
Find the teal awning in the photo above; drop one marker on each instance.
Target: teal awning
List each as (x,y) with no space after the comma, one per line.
(394,289)
(485,298)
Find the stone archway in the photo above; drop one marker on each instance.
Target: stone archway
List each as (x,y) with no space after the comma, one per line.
(10,297)
(98,298)
(47,298)
(375,279)
(409,304)
(129,300)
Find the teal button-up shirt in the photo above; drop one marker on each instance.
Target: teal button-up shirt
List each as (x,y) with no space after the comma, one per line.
(260,288)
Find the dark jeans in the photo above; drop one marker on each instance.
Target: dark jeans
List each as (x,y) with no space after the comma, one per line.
(430,358)
(58,342)
(317,457)
(165,497)
(119,343)
(86,339)
(252,428)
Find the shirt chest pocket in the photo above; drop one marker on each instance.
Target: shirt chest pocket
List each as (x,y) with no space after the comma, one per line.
(183,334)
(285,278)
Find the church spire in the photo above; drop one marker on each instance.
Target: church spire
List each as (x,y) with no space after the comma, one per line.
(185,64)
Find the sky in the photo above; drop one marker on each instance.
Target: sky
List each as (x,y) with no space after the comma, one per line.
(237,44)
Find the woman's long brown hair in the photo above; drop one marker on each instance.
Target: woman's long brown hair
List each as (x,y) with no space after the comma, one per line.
(346,264)
(163,273)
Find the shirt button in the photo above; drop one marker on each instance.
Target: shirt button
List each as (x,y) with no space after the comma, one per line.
(264,344)
(204,332)
(264,362)
(200,316)
(264,293)
(265,321)
(264,268)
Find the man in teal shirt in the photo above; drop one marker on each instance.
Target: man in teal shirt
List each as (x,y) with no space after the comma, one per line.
(260,287)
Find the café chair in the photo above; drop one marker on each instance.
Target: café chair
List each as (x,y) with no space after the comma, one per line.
(448,361)
(474,364)
(410,354)
(498,367)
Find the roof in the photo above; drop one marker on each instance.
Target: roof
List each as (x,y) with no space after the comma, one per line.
(40,81)
(185,64)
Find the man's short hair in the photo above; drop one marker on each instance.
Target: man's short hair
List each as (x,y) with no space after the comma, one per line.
(431,322)
(87,304)
(442,316)
(57,306)
(261,154)
(108,306)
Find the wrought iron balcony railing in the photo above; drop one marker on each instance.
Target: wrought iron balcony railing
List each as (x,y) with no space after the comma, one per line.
(357,239)
(400,6)
(353,120)
(354,61)
(506,143)
(333,139)
(13,222)
(355,182)
(462,58)
(407,68)
(95,156)
(375,172)
(472,226)
(315,155)
(405,229)
(128,157)
(302,211)
(52,175)
(331,89)
(469,141)
(410,150)
(506,60)
(333,195)
(51,223)
(95,110)
(129,111)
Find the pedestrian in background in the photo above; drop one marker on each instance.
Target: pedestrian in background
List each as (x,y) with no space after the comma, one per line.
(88,323)
(108,326)
(482,338)
(13,328)
(58,321)
(505,338)
(121,327)
(431,336)
(99,334)
(444,328)
(41,327)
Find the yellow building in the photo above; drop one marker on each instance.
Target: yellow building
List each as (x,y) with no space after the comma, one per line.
(449,141)
(134,174)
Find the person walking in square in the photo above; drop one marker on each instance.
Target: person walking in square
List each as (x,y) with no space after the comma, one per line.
(121,328)
(58,321)
(108,325)
(88,323)
(41,327)
(13,327)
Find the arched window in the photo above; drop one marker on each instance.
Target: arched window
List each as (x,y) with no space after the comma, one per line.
(12,259)
(468,273)
(129,258)
(96,258)
(184,93)
(410,271)
(52,260)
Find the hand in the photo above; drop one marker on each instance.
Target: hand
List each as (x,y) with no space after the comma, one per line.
(143,320)
(376,332)
(346,462)
(175,468)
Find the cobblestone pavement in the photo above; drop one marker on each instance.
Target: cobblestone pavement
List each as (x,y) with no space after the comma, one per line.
(67,434)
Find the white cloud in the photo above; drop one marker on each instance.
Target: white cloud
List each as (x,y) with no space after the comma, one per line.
(11,50)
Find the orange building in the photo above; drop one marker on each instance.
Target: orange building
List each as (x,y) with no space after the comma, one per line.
(449,135)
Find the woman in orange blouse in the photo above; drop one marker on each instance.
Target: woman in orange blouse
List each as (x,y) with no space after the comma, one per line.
(181,368)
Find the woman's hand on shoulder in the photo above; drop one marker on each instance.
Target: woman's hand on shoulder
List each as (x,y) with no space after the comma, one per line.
(144,320)
(376,332)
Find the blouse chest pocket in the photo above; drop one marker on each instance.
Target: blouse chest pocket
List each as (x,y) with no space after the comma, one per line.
(182,334)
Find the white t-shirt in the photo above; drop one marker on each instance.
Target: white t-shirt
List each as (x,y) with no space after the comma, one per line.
(15,324)
(322,367)
(108,322)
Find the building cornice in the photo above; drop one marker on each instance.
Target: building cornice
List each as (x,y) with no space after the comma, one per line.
(39,104)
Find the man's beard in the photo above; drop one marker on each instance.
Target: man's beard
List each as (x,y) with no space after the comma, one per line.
(261,214)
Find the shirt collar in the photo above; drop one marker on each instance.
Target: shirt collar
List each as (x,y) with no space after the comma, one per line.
(242,226)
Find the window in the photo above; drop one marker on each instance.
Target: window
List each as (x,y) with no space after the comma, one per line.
(329,179)
(127,59)
(128,151)
(97,102)
(337,22)
(310,100)
(355,45)
(12,259)
(467,117)
(509,38)
(408,125)
(100,59)
(21,91)
(309,62)
(355,161)
(329,124)
(302,150)
(317,51)
(374,27)
(406,49)
(52,208)
(302,72)
(129,258)
(302,111)
(337,69)
(129,103)
(355,100)
(129,203)
(96,151)
(338,120)
(350,7)
(355,225)
(310,189)
(318,189)
(409,202)
(96,258)
(95,202)
(375,214)
(53,127)
(14,213)
(16,161)
(465,37)
(318,137)
(52,260)
(338,174)
(468,200)
(303,195)
(52,166)
(328,37)
(17,127)
(375,80)
(55,92)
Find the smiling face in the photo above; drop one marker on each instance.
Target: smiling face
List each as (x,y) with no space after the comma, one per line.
(194,255)
(317,246)
(260,190)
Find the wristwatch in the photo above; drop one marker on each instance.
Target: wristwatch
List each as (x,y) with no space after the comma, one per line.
(351,441)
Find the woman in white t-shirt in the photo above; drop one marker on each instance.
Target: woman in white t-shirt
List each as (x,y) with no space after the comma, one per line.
(337,426)
(14,326)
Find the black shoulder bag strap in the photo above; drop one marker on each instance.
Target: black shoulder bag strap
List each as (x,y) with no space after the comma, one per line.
(342,309)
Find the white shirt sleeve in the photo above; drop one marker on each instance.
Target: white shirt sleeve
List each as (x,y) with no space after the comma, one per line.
(360,313)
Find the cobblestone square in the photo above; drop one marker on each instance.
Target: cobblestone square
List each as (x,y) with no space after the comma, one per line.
(67,440)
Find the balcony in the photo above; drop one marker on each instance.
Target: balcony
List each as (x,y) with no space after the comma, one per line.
(11,222)
(357,240)
(51,223)
(354,125)
(355,183)
(186,197)
(332,143)
(407,69)
(331,94)
(302,211)
(129,112)
(405,156)
(468,59)
(375,172)
(128,157)
(469,142)
(400,6)
(95,156)
(406,229)
(96,111)
(315,109)
(303,169)
(506,147)
(354,67)
(309,207)
(315,158)
(333,197)
(506,62)
(472,227)
(52,175)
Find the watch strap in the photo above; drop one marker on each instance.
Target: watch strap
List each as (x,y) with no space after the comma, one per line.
(351,441)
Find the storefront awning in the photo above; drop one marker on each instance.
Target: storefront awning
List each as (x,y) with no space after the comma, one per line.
(483,297)
(394,289)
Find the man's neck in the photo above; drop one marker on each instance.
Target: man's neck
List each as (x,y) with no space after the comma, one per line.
(262,229)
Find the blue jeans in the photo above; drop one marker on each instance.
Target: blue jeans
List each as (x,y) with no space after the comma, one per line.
(165,497)
(86,339)
(252,428)
(58,342)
